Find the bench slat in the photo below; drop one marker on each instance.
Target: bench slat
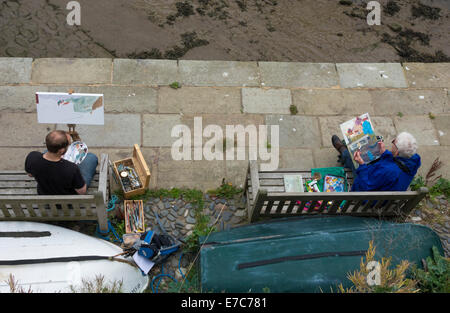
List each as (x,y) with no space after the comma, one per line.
(30,184)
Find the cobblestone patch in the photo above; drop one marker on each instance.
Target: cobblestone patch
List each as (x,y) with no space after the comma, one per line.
(434,213)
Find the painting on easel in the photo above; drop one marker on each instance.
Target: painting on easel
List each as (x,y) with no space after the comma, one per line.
(70,108)
(359,134)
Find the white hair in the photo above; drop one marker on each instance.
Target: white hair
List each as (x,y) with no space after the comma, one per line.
(406,144)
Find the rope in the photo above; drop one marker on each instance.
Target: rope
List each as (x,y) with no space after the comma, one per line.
(104,235)
(112,203)
(206,239)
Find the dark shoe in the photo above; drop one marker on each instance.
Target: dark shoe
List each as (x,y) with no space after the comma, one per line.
(337,143)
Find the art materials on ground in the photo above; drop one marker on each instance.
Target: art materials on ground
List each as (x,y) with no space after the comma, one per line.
(128,177)
(133,174)
(333,184)
(293,183)
(134,216)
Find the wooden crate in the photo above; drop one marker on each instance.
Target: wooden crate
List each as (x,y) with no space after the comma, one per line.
(138,163)
(127,204)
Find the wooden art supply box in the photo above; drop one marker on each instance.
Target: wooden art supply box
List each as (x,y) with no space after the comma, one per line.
(140,208)
(137,162)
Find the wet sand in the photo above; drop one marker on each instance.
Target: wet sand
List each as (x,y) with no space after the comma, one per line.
(261,30)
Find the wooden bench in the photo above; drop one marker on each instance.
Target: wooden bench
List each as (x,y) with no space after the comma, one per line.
(19,200)
(266,197)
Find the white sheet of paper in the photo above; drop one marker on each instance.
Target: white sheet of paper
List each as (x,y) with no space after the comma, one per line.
(64,108)
(144,264)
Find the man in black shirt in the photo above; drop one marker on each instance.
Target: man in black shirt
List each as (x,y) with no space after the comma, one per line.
(55,175)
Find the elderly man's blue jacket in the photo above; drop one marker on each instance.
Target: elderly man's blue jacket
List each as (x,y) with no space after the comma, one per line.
(385,174)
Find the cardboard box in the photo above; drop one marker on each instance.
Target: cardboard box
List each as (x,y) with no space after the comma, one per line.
(135,209)
(138,163)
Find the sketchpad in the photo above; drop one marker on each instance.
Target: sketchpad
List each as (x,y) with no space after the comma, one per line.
(305,254)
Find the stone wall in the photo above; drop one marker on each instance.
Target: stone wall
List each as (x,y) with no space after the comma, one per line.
(141,107)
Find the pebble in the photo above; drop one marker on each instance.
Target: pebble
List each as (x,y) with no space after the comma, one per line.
(170,217)
(416,219)
(190,220)
(240,213)
(226,216)
(164,213)
(192,213)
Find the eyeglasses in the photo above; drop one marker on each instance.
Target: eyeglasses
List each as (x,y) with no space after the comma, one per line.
(393,142)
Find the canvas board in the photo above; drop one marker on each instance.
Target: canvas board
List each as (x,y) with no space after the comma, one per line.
(359,134)
(293,183)
(65,108)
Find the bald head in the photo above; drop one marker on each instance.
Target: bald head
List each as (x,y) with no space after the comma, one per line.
(56,140)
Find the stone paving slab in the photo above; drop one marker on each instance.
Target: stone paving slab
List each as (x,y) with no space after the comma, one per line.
(15,70)
(332,101)
(258,100)
(172,173)
(442,125)
(296,158)
(19,98)
(14,158)
(157,129)
(358,75)
(329,126)
(222,120)
(236,171)
(145,72)
(427,74)
(296,131)
(71,71)
(120,99)
(420,126)
(297,74)
(428,154)
(191,100)
(208,174)
(326,157)
(22,130)
(119,130)
(218,73)
(408,102)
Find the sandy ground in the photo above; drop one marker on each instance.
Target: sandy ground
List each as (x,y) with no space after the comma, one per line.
(275,30)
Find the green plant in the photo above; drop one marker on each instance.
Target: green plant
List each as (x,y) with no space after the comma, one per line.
(226,190)
(189,284)
(441,187)
(400,114)
(293,109)
(201,229)
(435,277)
(417,182)
(175,85)
(431,115)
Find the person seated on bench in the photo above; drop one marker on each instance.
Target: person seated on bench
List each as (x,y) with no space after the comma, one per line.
(55,175)
(393,171)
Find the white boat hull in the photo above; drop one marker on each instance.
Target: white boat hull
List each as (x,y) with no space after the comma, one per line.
(61,276)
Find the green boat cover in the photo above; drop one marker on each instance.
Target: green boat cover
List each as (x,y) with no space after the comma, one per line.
(305,254)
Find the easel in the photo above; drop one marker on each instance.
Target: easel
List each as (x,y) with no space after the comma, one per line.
(71,127)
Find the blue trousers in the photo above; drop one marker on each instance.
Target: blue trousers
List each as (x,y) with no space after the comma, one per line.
(87,168)
(346,159)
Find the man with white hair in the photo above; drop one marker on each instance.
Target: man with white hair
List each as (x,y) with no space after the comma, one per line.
(393,171)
